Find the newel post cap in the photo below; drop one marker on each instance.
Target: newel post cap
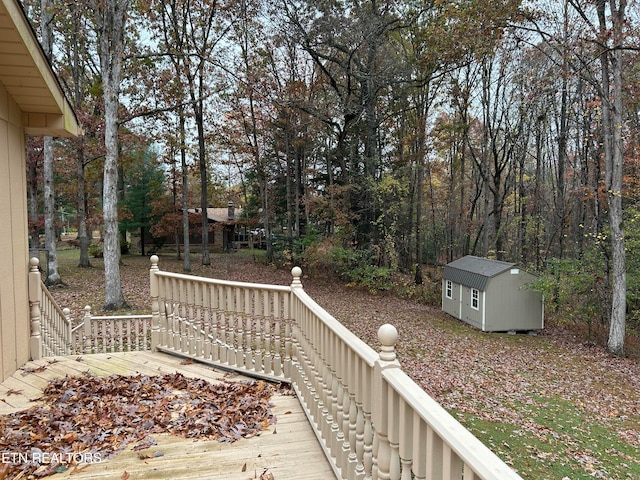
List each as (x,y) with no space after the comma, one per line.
(296,273)
(388,336)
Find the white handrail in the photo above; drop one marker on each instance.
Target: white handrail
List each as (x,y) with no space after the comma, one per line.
(371,419)
(50,324)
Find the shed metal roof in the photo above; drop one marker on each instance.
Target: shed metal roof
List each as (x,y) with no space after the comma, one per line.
(474,272)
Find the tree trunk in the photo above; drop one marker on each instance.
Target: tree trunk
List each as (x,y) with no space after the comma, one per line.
(33,204)
(185,197)
(53,275)
(204,203)
(50,237)
(113,21)
(76,68)
(84,237)
(611,61)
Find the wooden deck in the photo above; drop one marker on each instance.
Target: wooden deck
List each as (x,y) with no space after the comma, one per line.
(286,450)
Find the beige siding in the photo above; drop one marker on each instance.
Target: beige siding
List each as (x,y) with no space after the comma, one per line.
(14,309)
(452,305)
(511,305)
(469,314)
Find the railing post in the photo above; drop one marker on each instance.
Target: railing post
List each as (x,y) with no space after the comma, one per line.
(35,341)
(69,347)
(293,316)
(382,454)
(155,306)
(87,330)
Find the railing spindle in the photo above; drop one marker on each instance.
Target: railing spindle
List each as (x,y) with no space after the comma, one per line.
(394,433)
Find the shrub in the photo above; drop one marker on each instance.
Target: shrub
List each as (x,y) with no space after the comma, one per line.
(95,250)
(575,290)
(355,267)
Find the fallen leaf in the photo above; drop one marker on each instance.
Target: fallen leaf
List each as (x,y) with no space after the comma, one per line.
(27,370)
(266,475)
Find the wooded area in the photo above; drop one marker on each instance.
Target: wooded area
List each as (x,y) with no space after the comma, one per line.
(371,136)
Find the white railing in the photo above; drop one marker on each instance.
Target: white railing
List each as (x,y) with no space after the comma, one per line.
(112,333)
(372,420)
(52,332)
(50,325)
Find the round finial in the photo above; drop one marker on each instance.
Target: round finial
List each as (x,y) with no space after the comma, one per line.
(154,259)
(296,273)
(34,262)
(388,335)
(66,311)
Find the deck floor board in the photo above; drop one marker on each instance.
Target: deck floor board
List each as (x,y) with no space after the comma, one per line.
(287,450)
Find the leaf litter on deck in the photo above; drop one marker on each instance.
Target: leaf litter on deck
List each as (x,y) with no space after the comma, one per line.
(102,416)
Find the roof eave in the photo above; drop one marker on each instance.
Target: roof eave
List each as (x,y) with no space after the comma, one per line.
(46,110)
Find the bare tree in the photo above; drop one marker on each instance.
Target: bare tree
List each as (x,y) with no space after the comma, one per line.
(111,16)
(611,29)
(602,35)
(50,237)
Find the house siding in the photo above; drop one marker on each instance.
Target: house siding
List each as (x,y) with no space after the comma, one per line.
(14,302)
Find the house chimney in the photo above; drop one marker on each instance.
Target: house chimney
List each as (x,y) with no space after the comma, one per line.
(231,211)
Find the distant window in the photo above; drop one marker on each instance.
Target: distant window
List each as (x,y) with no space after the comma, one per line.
(475,296)
(449,289)
(515,271)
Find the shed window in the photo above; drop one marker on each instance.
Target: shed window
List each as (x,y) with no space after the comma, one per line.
(475,295)
(449,289)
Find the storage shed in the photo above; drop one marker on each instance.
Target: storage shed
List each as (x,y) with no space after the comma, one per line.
(491,295)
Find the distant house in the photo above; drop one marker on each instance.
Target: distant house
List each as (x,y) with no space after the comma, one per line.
(491,295)
(223,223)
(31,103)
